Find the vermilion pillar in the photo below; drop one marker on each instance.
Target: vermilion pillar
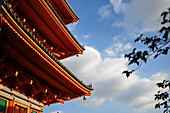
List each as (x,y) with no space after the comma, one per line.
(10,106)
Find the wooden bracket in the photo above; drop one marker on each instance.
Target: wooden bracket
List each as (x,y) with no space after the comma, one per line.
(56,54)
(14,3)
(61,93)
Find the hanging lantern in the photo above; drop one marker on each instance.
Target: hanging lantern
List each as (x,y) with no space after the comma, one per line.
(84,98)
(46,91)
(16,73)
(24,20)
(31,82)
(55,96)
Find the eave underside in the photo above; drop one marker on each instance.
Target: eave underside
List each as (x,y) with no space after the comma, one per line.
(18,47)
(49,24)
(64,11)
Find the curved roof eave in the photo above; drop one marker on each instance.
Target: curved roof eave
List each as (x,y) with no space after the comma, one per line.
(57,63)
(54,19)
(76,17)
(65,10)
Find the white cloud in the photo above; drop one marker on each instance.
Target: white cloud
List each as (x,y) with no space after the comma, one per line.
(91,58)
(140,15)
(105,11)
(109,52)
(86,36)
(115,49)
(108,82)
(72,26)
(116,5)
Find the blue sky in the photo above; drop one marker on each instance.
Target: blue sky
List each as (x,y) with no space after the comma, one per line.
(108,28)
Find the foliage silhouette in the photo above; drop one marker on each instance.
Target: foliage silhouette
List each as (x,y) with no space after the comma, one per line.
(163,96)
(156,45)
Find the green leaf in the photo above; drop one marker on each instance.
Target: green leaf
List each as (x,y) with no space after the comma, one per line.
(147,41)
(131,62)
(160,50)
(145,53)
(166,35)
(157,106)
(164,14)
(139,53)
(127,73)
(164,21)
(156,56)
(144,59)
(162,29)
(165,52)
(136,62)
(134,49)
(157,40)
(141,35)
(126,55)
(137,39)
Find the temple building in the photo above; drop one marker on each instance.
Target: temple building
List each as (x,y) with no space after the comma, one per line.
(33,38)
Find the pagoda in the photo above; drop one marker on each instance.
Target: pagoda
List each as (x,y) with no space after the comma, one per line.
(33,38)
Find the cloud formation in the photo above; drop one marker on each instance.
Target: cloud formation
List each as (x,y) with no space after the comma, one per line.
(105,12)
(116,5)
(86,36)
(115,49)
(72,26)
(138,15)
(109,84)
(142,15)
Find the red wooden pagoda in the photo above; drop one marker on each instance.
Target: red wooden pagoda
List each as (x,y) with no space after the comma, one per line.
(33,38)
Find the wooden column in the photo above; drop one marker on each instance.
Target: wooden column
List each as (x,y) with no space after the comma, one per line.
(29,108)
(10,106)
